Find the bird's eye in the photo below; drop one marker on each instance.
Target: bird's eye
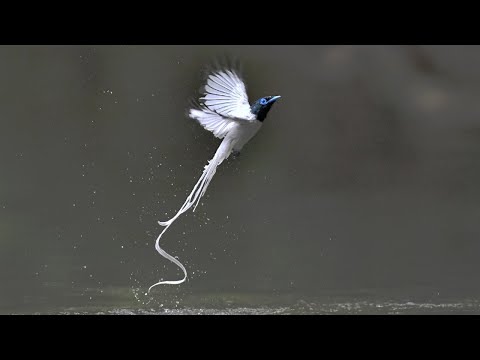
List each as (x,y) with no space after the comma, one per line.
(263,101)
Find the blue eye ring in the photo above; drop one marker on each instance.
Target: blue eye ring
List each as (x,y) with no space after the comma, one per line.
(263,101)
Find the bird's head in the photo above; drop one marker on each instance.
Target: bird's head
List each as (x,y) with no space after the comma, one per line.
(262,106)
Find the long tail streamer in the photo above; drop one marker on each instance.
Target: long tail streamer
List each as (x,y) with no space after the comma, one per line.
(197,193)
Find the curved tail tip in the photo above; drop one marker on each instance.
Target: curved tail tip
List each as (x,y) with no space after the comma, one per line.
(167,282)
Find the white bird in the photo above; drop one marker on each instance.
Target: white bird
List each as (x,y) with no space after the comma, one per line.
(225,111)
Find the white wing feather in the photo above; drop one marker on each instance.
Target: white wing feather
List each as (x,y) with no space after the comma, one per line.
(225,94)
(213,122)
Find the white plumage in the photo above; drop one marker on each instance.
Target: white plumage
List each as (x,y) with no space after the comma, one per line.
(226,112)
(226,95)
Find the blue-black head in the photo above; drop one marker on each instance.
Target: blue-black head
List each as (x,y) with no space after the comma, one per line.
(262,106)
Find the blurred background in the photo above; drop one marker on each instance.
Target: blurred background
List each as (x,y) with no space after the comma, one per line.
(363,180)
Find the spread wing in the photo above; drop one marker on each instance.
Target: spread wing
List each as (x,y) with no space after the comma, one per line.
(225,94)
(224,102)
(212,121)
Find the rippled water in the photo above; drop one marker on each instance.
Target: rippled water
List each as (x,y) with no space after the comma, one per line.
(348,308)
(132,302)
(359,308)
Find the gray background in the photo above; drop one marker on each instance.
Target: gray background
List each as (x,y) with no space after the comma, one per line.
(364,176)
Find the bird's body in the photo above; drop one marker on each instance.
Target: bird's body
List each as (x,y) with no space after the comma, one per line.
(237,132)
(226,112)
(244,133)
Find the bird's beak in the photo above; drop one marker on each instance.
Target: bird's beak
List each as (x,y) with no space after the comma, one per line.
(274,98)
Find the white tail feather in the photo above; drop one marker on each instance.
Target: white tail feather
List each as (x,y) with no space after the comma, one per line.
(197,193)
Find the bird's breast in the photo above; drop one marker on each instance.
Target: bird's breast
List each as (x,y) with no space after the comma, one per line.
(243,132)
